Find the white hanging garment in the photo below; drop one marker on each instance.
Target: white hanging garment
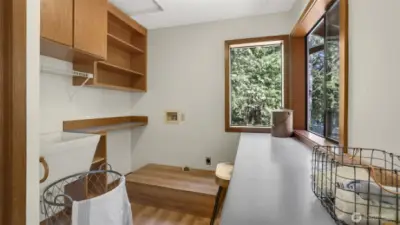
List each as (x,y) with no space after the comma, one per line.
(111,208)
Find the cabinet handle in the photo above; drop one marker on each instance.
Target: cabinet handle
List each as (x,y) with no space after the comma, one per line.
(46,169)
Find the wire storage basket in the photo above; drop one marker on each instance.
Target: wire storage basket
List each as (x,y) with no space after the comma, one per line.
(58,197)
(357,187)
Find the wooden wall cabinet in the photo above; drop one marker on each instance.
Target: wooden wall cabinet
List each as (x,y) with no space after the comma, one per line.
(73,29)
(56,19)
(90,27)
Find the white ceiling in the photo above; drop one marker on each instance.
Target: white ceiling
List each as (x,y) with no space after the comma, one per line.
(184,12)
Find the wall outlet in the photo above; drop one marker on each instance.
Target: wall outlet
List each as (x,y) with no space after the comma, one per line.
(172,117)
(208,161)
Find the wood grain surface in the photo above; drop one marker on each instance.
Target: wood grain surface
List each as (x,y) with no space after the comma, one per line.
(148,215)
(171,188)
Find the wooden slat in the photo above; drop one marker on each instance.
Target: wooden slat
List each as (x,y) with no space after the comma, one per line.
(108,128)
(123,44)
(108,121)
(118,69)
(115,87)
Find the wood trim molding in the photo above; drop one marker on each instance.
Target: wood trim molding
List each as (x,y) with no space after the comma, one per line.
(310,16)
(298,76)
(314,10)
(311,139)
(285,39)
(344,71)
(13,112)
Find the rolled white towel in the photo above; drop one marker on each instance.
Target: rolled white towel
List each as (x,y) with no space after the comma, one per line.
(372,191)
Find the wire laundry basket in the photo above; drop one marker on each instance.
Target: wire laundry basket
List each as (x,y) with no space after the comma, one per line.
(58,197)
(357,187)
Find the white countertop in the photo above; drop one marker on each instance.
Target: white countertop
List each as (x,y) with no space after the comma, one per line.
(271,184)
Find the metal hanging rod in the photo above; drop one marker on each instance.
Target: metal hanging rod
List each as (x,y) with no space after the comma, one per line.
(70,73)
(73,73)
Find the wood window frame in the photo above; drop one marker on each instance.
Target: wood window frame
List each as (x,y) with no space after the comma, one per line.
(228,43)
(13,112)
(313,12)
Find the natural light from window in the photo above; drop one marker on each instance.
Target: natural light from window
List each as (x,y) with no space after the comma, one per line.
(256,83)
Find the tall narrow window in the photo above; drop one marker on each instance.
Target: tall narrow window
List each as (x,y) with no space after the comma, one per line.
(255,84)
(323,76)
(316,76)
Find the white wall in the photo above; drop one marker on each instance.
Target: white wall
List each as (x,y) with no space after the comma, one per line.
(296,11)
(56,106)
(33,122)
(186,73)
(374,76)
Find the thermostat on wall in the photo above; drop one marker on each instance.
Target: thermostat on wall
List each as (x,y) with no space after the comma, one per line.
(174,117)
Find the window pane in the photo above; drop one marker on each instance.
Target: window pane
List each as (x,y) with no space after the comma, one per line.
(332,72)
(256,84)
(316,85)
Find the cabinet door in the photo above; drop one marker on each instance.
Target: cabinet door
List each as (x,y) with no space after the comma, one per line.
(56,21)
(90,23)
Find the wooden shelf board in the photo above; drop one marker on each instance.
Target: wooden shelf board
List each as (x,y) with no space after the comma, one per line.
(107,128)
(103,125)
(117,69)
(114,87)
(98,159)
(123,44)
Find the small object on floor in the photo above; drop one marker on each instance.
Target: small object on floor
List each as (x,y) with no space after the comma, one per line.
(223,175)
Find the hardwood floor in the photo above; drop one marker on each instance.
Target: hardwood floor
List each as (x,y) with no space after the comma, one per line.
(148,215)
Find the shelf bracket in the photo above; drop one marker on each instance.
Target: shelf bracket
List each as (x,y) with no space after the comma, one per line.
(70,73)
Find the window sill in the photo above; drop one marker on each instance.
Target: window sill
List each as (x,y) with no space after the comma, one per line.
(248,130)
(311,139)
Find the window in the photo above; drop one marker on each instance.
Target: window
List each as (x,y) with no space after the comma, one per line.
(255,74)
(323,75)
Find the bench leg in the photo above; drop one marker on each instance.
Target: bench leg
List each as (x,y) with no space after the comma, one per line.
(216,205)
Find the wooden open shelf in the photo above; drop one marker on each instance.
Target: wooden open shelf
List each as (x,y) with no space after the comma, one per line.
(104,125)
(114,87)
(113,40)
(125,66)
(117,69)
(101,126)
(111,127)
